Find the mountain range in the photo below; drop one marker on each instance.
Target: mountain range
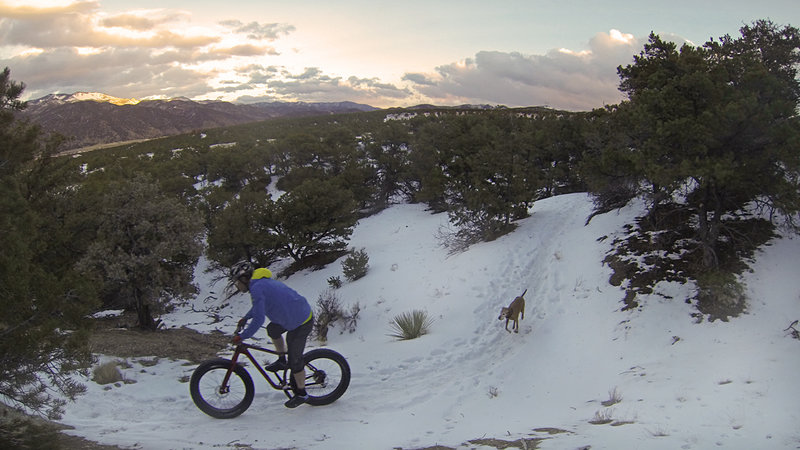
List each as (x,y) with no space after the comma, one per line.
(88,118)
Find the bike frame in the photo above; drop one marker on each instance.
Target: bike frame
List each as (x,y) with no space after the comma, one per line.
(244,349)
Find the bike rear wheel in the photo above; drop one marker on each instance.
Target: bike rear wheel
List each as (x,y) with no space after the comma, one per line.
(327,376)
(218,400)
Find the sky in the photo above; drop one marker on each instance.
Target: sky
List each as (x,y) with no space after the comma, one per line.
(556,53)
(679,384)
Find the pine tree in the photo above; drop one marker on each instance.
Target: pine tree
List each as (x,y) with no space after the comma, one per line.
(40,296)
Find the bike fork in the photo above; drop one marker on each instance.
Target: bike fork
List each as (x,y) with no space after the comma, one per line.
(225,386)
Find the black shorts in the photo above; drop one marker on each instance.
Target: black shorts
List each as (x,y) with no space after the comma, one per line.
(295,342)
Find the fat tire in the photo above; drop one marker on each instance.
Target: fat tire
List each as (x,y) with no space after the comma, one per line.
(315,358)
(206,379)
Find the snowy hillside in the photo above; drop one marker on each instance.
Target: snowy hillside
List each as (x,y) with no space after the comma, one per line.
(679,385)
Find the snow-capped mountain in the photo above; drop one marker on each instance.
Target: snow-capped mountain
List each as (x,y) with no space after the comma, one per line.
(85,96)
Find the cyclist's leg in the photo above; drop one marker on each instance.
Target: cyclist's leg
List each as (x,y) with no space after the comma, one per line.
(275,332)
(296,342)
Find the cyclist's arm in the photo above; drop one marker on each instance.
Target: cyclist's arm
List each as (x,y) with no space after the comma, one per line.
(257,315)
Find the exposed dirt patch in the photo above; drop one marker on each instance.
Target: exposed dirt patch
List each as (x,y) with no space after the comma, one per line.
(175,343)
(21,431)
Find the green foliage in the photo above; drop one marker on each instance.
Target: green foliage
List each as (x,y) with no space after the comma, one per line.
(145,250)
(41,296)
(390,152)
(356,265)
(334,282)
(715,125)
(720,295)
(487,168)
(722,117)
(244,230)
(410,325)
(313,219)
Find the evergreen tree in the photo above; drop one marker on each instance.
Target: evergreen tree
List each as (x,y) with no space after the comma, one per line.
(488,183)
(389,151)
(719,121)
(146,248)
(243,230)
(315,218)
(426,174)
(606,166)
(40,296)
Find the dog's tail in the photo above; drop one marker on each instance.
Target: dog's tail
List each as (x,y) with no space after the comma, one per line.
(523,294)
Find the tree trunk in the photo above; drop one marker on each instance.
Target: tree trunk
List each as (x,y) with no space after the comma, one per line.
(143,313)
(709,227)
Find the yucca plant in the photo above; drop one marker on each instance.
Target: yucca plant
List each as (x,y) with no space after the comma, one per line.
(410,325)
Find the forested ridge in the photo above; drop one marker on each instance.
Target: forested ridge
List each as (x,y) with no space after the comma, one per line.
(709,136)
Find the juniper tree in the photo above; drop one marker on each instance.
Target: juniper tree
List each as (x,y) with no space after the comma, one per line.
(315,218)
(145,250)
(719,122)
(244,230)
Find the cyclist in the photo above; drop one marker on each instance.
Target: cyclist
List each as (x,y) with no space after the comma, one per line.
(288,312)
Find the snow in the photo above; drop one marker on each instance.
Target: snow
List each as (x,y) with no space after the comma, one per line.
(99,97)
(681,385)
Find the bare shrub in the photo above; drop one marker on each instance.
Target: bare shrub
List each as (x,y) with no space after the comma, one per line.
(107,373)
(792,331)
(329,311)
(455,241)
(602,417)
(493,391)
(614,397)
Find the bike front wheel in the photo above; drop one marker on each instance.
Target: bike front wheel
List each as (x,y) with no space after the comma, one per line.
(217,399)
(327,376)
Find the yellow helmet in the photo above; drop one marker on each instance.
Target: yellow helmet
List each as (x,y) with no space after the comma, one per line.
(261,272)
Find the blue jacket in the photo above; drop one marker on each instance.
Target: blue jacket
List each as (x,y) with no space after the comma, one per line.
(277,302)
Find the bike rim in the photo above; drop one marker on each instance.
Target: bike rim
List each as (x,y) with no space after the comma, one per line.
(322,377)
(211,389)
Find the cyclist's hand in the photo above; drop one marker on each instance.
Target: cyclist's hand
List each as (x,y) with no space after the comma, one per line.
(236,339)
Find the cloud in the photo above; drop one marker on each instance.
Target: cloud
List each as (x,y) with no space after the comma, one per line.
(141,53)
(28,12)
(80,25)
(144,20)
(312,85)
(245,50)
(561,78)
(418,78)
(254,30)
(136,69)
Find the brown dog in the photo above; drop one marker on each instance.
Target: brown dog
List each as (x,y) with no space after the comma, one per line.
(515,312)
